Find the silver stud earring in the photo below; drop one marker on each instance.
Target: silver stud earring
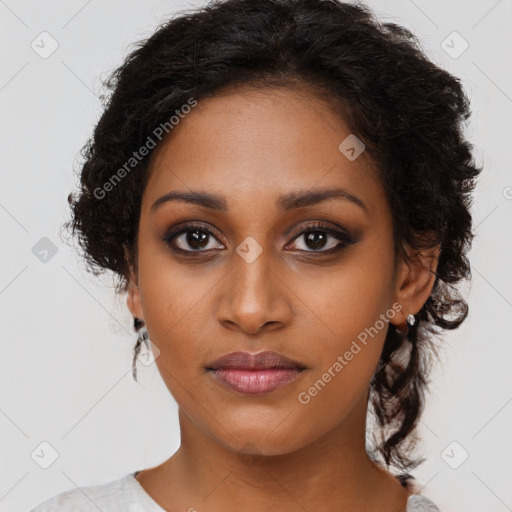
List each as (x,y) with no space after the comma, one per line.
(409,322)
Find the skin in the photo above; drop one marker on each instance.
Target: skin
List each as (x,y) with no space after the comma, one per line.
(269,451)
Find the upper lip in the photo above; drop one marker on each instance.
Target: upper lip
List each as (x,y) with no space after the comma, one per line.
(261,360)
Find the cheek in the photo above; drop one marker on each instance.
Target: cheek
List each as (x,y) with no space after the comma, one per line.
(340,303)
(350,326)
(345,364)
(172,304)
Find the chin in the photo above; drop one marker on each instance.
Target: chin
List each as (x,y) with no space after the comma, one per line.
(251,442)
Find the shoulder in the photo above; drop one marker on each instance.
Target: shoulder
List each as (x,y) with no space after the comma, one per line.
(108,497)
(417,503)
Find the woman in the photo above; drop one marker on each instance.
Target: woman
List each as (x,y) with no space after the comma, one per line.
(283,189)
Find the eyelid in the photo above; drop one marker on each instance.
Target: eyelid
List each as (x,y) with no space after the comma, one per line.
(184,227)
(321,225)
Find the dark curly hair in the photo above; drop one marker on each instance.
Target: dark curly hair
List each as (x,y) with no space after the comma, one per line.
(409,113)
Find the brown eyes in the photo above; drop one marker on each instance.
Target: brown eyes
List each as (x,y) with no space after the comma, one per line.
(197,238)
(317,237)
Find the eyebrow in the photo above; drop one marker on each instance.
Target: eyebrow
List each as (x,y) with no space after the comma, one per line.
(285,202)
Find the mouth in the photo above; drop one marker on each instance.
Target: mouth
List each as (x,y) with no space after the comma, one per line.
(255,373)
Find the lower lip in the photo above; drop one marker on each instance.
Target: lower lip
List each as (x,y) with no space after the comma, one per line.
(256,381)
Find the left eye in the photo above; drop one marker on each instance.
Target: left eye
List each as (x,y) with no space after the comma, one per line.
(317,240)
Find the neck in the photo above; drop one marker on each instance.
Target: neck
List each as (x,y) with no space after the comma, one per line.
(332,471)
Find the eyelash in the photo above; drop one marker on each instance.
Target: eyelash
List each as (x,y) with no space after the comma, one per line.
(344,238)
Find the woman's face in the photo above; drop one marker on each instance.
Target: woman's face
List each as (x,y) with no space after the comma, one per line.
(261,281)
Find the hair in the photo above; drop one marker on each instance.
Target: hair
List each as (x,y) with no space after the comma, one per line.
(409,113)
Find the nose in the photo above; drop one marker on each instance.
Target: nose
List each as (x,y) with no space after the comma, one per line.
(254,298)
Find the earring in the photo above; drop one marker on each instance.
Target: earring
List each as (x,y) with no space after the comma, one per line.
(143,338)
(137,323)
(409,322)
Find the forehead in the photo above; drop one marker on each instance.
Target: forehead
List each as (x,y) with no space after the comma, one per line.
(252,144)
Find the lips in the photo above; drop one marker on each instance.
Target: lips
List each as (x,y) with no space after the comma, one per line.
(260,361)
(255,373)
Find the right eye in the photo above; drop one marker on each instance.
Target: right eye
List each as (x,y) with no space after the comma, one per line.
(191,238)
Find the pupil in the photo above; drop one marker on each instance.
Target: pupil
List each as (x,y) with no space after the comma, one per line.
(316,239)
(197,239)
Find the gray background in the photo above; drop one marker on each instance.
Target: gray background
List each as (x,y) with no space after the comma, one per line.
(67,339)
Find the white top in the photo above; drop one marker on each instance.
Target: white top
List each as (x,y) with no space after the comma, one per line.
(127,495)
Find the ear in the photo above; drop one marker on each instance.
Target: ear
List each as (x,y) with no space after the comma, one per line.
(414,282)
(133,299)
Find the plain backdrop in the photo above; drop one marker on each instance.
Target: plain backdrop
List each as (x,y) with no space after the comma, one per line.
(66,338)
